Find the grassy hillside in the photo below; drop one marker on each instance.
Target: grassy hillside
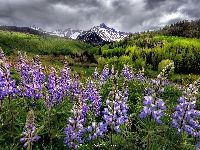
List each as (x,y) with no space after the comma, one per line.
(11,42)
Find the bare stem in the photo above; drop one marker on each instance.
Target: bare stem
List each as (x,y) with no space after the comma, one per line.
(1,105)
(149,136)
(148,142)
(49,129)
(12,122)
(111,140)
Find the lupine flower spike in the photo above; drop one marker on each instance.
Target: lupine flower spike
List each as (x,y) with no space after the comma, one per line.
(96,74)
(75,130)
(55,91)
(140,76)
(65,79)
(92,92)
(104,75)
(153,105)
(115,114)
(185,117)
(29,134)
(7,85)
(127,73)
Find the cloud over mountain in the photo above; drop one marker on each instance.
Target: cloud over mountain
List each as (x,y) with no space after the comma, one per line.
(126,15)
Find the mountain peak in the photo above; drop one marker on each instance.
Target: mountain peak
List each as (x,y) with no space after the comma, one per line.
(102,25)
(100,35)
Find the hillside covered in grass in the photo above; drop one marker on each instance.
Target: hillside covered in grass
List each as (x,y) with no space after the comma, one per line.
(178,42)
(11,42)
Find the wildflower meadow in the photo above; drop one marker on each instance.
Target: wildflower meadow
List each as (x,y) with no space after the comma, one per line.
(44,109)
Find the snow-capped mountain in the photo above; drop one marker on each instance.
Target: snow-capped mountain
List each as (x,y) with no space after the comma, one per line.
(109,34)
(101,34)
(68,33)
(72,33)
(104,33)
(36,28)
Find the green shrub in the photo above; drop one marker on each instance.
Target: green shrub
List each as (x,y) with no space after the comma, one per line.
(101,62)
(124,60)
(113,61)
(139,63)
(118,63)
(93,65)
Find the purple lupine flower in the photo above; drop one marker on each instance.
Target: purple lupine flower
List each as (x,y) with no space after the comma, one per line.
(33,81)
(185,114)
(7,84)
(159,85)
(37,63)
(104,75)
(29,134)
(75,128)
(3,89)
(148,91)
(140,75)
(20,61)
(38,81)
(82,97)
(152,107)
(74,87)
(65,80)
(31,77)
(54,89)
(127,73)
(115,114)
(92,92)
(38,76)
(161,80)
(185,117)
(22,64)
(95,74)
(96,130)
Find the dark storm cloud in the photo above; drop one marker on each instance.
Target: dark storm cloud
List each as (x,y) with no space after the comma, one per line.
(192,9)
(151,4)
(76,3)
(126,15)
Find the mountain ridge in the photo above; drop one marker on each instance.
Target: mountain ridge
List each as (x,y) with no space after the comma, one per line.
(97,35)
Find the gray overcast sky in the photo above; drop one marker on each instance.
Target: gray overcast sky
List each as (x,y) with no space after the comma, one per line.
(122,15)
